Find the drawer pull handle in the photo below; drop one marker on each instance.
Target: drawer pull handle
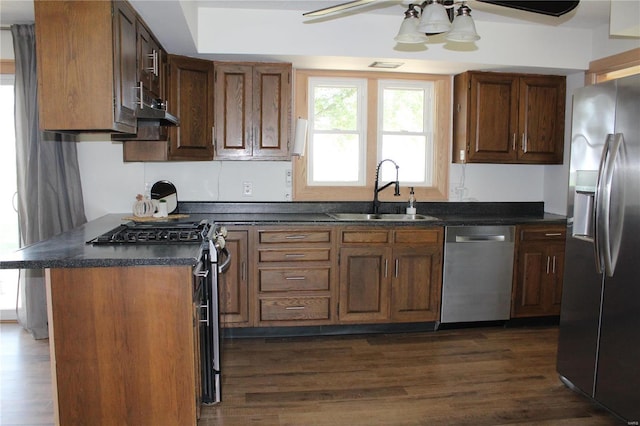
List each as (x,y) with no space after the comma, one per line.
(553,234)
(295,237)
(294,308)
(295,278)
(294,255)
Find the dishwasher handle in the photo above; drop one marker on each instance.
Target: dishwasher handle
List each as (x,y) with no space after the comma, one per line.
(476,238)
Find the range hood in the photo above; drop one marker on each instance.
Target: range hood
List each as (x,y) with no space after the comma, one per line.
(162,116)
(152,125)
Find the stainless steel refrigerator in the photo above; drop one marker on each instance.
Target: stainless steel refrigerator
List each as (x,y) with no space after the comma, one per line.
(599,342)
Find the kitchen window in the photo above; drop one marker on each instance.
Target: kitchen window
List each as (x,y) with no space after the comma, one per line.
(337,131)
(405,112)
(357,119)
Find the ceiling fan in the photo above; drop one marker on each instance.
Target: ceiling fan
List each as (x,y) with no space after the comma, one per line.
(429,17)
(551,8)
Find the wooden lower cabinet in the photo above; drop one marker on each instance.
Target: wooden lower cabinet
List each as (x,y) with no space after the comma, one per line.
(390,275)
(233,284)
(539,269)
(416,284)
(293,276)
(123,347)
(364,284)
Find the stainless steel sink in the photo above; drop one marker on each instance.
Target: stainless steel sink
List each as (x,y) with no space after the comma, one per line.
(358,217)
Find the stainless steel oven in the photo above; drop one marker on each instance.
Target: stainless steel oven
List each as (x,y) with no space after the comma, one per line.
(214,260)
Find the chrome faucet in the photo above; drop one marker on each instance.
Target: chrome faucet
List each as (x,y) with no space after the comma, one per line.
(376,202)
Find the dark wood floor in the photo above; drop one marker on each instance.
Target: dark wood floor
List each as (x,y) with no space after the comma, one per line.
(488,376)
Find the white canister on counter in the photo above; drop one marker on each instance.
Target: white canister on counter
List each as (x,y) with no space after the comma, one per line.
(162,209)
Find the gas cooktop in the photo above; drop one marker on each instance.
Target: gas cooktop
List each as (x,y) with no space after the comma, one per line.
(156,233)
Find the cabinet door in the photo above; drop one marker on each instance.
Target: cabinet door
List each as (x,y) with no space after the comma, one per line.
(271,111)
(538,289)
(416,284)
(191,99)
(493,117)
(149,63)
(541,119)
(556,254)
(125,72)
(86,83)
(364,284)
(233,110)
(532,263)
(234,284)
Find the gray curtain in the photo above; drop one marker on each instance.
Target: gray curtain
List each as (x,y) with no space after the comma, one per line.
(49,190)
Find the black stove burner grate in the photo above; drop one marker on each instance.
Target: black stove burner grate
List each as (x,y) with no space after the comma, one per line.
(155,233)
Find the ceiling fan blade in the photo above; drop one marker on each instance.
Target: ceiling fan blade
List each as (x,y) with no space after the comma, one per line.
(337,8)
(552,8)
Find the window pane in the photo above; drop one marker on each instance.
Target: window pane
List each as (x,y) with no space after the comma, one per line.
(335,108)
(410,154)
(405,136)
(336,158)
(403,110)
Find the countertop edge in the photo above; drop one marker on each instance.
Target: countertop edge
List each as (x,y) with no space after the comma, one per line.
(70,250)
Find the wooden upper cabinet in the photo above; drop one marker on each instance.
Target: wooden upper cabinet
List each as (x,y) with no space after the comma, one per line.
(191,98)
(541,119)
(508,118)
(86,59)
(252,111)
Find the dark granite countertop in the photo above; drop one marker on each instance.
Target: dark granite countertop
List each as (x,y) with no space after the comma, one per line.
(446,213)
(70,249)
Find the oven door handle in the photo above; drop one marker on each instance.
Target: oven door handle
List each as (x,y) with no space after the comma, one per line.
(222,267)
(200,271)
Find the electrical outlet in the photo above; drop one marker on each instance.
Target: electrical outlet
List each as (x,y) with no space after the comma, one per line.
(288,178)
(247,189)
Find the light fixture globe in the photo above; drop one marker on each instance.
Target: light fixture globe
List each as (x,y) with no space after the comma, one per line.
(463,28)
(434,19)
(408,32)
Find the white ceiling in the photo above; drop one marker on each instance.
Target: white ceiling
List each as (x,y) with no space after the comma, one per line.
(589,13)
(173,22)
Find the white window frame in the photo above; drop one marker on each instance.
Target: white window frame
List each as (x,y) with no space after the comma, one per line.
(361,126)
(427,88)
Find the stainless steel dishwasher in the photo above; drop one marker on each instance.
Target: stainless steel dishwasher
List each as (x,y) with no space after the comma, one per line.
(478,271)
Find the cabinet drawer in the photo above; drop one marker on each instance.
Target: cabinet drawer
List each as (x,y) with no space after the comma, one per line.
(294,279)
(429,236)
(271,237)
(356,236)
(294,308)
(540,234)
(293,255)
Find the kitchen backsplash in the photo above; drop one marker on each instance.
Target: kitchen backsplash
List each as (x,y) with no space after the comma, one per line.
(110,185)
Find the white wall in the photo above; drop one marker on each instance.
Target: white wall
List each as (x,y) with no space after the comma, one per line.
(110,185)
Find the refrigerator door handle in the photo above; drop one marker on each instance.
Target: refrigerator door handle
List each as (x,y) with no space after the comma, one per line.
(605,256)
(597,205)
